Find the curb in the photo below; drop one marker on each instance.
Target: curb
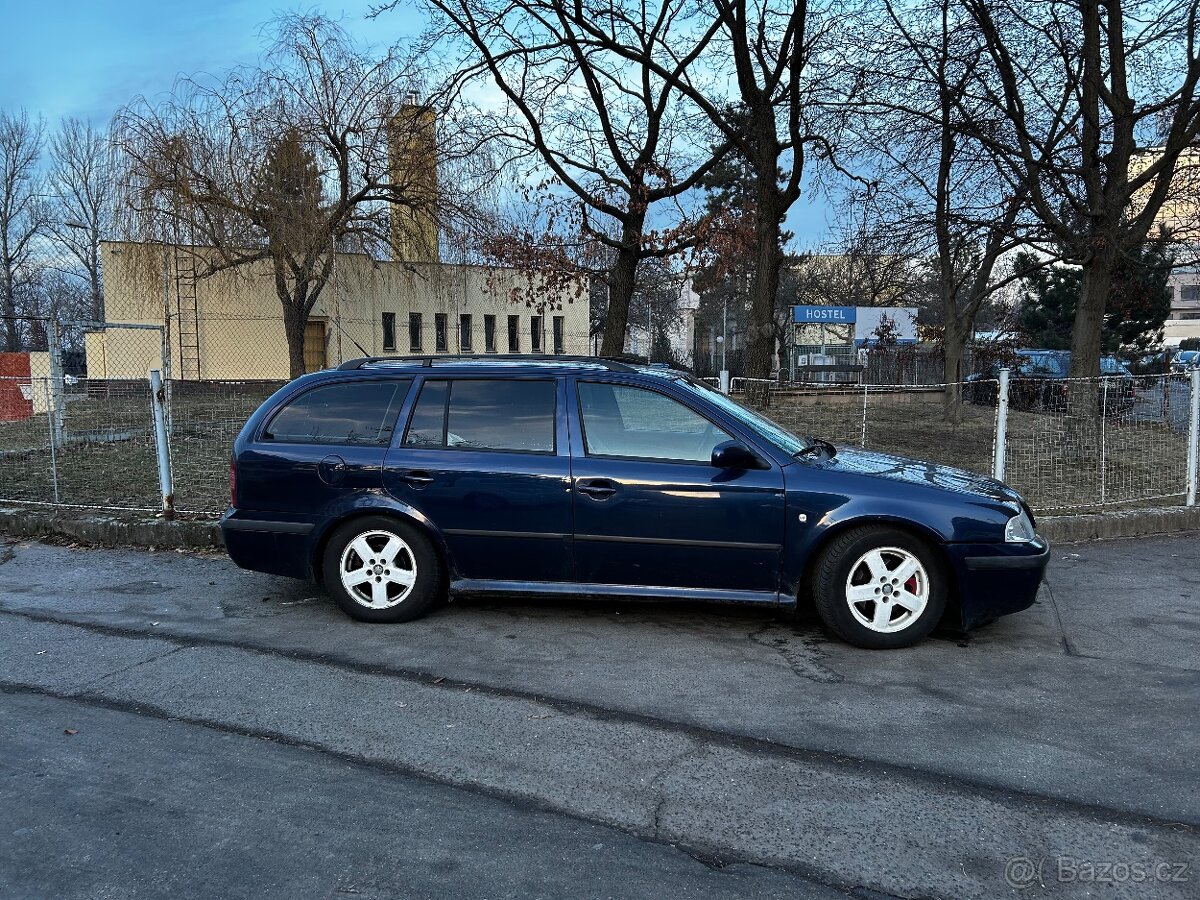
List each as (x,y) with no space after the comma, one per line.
(117,530)
(111,529)
(1124,524)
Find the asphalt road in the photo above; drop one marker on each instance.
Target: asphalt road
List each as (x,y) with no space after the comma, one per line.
(235,735)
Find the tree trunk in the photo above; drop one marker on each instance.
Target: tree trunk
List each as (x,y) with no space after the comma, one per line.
(621,283)
(1088,332)
(294,320)
(12,336)
(764,284)
(953,346)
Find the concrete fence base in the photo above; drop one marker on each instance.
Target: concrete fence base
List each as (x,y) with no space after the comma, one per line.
(106,529)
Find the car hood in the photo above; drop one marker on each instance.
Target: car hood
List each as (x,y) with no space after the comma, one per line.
(853,460)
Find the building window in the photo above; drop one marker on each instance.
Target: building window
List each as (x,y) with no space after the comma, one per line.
(489,334)
(389,331)
(414,332)
(560,334)
(440,326)
(535,334)
(1189,292)
(514,334)
(464,332)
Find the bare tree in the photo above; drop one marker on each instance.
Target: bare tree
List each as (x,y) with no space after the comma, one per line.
(933,187)
(286,163)
(1073,93)
(82,182)
(22,215)
(612,129)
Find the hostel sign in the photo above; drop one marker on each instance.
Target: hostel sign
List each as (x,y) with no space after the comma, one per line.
(825,315)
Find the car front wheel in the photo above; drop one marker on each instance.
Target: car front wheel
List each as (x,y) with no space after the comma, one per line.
(879,588)
(379,569)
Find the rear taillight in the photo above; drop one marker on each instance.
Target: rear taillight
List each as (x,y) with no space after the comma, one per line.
(232,481)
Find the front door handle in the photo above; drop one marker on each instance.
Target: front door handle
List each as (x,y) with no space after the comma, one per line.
(596,488)
(416,478)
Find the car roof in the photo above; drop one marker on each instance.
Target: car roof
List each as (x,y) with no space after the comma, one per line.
(500,364)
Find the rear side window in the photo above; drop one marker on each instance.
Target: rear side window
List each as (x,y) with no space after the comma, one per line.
(485,414)
(355,412)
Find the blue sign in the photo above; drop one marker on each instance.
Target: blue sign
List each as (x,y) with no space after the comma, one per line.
(825,315)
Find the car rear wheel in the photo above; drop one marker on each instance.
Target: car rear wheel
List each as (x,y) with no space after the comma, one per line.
(379,569)
(879,588)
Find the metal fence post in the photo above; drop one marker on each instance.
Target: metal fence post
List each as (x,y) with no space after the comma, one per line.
(1001,426)
(53,454)
(166,375)
(1104,440)
(161,448)
(1193,438)
(56,387)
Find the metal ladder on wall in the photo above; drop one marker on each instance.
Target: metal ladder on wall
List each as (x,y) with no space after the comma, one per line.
(187,309)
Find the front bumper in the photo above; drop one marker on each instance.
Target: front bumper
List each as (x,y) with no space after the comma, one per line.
(997,579)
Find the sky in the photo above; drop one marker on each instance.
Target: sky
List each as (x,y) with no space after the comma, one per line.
(86,59)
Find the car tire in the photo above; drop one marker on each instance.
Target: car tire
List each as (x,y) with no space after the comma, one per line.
(381,569)
(862,594)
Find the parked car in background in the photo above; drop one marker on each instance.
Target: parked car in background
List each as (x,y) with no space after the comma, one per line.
(1039,381)
(395,480)
(1184,361)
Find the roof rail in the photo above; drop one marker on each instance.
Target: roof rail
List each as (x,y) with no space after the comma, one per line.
(614,365)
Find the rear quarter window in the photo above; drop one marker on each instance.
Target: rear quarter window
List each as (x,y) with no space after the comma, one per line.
(352,412)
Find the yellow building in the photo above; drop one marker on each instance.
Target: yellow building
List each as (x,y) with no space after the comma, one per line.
(1180,215)
(230,325)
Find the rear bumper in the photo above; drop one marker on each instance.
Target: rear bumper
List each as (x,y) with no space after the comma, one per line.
(997,579)
(278,547)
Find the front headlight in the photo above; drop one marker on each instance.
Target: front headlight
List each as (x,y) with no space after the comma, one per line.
(1019,529)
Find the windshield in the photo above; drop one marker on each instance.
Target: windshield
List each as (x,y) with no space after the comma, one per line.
(772,431)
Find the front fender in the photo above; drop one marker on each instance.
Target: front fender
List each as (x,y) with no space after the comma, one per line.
(941,517)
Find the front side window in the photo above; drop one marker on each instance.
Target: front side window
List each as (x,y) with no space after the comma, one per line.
(485,414)
(441,343)
(357,412)
(620,420)
(389,331)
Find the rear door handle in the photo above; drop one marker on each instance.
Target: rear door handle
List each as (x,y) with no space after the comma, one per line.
(416,478)
(596,488)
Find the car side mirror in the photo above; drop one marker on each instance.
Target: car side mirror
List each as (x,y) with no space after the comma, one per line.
(734,455)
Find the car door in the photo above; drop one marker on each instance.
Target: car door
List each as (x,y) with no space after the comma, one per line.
(487,460)
(321,444)
(649,507)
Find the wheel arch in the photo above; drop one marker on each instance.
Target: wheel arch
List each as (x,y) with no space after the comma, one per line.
(931,538)
(407,516)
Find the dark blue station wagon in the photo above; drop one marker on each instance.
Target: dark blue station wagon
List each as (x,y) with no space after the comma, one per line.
(394,480)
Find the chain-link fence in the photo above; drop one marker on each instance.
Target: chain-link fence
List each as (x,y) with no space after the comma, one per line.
(1078,444)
